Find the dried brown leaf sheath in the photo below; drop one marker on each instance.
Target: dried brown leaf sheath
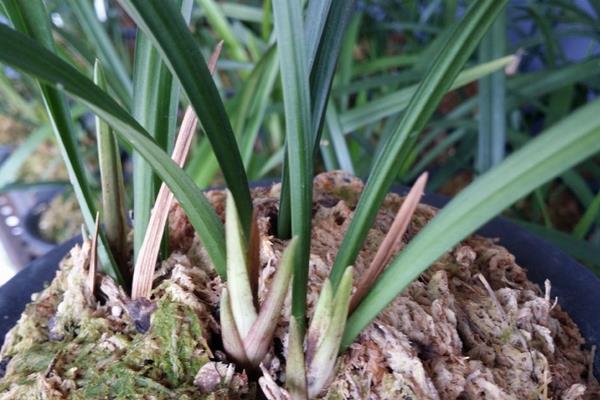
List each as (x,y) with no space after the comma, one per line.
(143,272)
(392,241)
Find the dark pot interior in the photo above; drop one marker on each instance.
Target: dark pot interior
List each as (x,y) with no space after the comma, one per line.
(577,288)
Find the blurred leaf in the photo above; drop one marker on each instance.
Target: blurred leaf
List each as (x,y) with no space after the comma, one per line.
(217,20)
(396,102)
(31,18)
(492,100)
(338,140)
(578,248)
(10,168)
(117,73)
(589,217)
(242,12)
(23,53)
(15,101)
(385,63)
(579,187)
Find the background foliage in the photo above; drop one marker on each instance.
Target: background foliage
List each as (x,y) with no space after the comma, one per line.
(386,50)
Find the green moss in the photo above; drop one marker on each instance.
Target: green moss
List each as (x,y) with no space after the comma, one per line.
(173,350)
(162,362)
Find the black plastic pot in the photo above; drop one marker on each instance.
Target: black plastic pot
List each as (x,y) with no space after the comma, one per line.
(577,289)
(20,210)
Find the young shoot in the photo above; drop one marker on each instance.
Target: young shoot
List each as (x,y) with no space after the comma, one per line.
(247,331)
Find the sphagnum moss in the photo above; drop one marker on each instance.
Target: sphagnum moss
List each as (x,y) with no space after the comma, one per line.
(445,335)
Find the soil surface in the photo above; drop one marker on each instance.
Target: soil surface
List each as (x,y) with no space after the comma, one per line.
(471,327)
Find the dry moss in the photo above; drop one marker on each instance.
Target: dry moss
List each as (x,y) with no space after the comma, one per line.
(471,327)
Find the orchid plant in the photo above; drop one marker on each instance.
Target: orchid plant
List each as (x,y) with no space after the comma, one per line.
(303,50)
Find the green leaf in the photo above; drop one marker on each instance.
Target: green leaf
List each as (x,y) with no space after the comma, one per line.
(238,280)
(396,102)
(296,95)
(248,113)
(117,73)
(315,22)
(295,380)
(320,321)
(163,23)
(578,248)
(260,337)
(322,366)
(322,51)
(9,169)
(271,163)
(338,140)
(444,69)
(242,12)
(217,20)
(253,100)
(492,100)
(258,111)
(31,17)
(23,53)
(113,187)
(155,95)
(559,148)
(16,102)
(587,220)
(385,63)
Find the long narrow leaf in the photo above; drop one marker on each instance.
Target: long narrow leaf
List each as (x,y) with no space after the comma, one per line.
(155,102)
(216,19)
(396,102)
(322,49)
(163,23)
(587,220)
(31,17)
(113,187)
(316,17)
(492,100)
(565,144)
(338,140)
(296,94)
(21,52)
(445,67)
(238,278)
(95,33)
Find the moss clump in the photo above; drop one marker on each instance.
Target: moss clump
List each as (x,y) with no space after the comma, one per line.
(97,353)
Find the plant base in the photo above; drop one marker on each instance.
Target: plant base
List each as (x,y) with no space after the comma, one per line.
(471,327)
